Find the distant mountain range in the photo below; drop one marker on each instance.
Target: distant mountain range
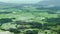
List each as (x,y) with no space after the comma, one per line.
(47,3)
(50,3)
(3,4)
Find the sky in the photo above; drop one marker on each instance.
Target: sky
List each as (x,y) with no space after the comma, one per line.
(20,1)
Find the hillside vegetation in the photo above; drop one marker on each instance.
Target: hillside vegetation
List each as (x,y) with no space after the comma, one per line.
(29,20)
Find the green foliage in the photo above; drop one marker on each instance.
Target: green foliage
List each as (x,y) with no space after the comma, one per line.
(19,21)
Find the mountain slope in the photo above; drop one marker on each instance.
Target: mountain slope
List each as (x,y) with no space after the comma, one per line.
(50,3)
(7,5)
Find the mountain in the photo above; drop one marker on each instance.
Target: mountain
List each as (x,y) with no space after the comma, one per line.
(45,3)
(13,5)
(49,3)
(7,5)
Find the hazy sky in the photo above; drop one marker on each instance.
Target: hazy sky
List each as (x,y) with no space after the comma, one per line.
(20,1)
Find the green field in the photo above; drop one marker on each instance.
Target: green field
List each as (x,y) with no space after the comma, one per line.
(29,21)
